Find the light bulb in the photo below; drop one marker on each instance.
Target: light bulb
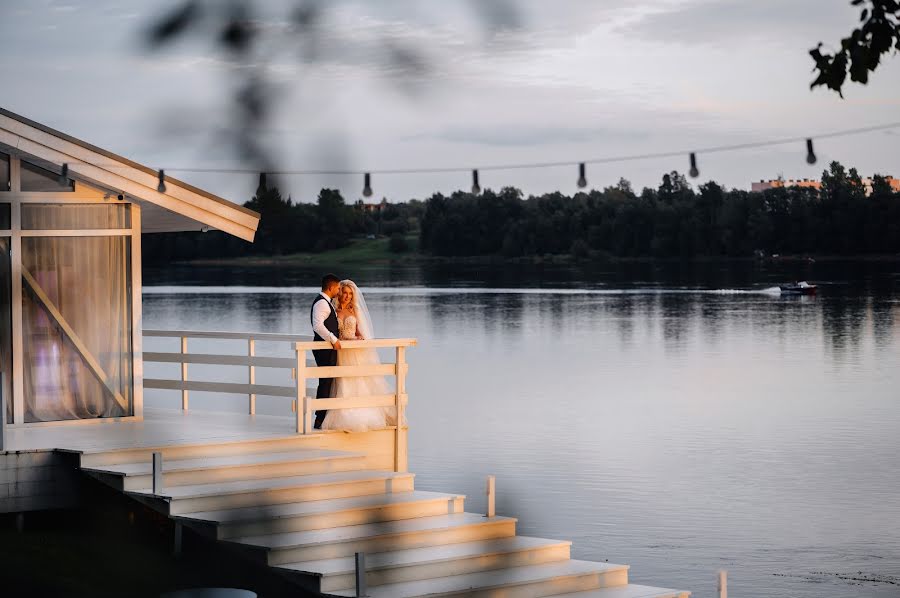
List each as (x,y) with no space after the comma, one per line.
(64,176)
(367,185)
(476,188)
(694,171)
(810,154)
(582,179)
(162,182)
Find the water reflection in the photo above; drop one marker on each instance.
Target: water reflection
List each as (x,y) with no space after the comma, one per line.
(677,427)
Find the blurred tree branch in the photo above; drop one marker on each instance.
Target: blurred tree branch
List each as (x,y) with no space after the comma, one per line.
(251,43)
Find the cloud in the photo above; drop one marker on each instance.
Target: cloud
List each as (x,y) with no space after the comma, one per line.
(723,22)
(526,134)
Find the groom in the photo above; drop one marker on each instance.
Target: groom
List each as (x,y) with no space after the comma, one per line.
(325,328)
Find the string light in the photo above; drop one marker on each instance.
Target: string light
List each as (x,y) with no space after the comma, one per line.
(694,171)
(476,188)
(367,190)
(162,181)
(64,176)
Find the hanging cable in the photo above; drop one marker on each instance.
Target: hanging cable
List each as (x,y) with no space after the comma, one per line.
(694,171)
(476,188)
(367,185)
(162,181)
(582,179)
(811,158)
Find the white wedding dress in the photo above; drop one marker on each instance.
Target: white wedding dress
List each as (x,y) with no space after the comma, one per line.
(364,418)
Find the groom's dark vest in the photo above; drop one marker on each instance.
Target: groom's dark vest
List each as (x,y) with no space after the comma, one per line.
(331,322)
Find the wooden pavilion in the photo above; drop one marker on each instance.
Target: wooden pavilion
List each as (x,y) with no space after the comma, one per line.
(302,504)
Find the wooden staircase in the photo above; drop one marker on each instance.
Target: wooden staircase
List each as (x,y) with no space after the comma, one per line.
(306,511)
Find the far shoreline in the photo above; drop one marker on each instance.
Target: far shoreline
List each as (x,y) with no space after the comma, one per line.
(337,258)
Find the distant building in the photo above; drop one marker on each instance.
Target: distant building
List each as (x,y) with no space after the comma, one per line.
(371,207)
(811,183)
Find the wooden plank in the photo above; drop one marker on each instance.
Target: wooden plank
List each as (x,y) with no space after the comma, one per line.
(90,165)
(351,371)
(370,344)
(400,449)
(18,361)
(357,402)
(251,375)
(259,336)
(303,409)
(222,387)
(86,355)
(97,232)
(213,359)
(184,374)
(137,317)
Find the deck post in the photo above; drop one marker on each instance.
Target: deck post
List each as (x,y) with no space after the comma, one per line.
(491,497)
(400,456)
(303,426)
(157,473)
(723,583)
(184,374)
(2,410)
(361,589)
(251,375)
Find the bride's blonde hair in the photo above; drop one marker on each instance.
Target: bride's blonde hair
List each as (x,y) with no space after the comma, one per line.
(348,284)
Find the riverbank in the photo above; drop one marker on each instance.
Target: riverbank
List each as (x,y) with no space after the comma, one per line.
(375,252)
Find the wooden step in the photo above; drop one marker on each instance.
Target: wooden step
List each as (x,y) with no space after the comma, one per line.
(207,470)
(271,491)
(199,450)
(387,536)
(517,582)
(629,591)
(435,561)
(323,514)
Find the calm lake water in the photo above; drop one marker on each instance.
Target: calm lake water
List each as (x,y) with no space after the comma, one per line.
(678,418)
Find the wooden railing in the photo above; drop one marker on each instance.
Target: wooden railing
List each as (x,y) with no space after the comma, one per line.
(302,368)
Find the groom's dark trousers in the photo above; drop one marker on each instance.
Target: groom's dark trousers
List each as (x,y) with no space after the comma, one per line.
(324,357)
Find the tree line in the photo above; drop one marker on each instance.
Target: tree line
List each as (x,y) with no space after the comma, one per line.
(671,220)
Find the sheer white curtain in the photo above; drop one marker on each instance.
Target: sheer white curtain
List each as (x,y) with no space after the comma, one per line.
(76,320)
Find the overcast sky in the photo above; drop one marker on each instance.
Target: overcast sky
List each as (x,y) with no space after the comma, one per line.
(547,81)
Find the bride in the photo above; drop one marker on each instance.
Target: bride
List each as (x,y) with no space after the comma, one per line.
(354,323)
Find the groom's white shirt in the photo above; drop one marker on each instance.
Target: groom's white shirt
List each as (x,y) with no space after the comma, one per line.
(321,311)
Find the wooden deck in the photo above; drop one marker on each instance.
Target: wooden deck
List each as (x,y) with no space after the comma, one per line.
(160,427)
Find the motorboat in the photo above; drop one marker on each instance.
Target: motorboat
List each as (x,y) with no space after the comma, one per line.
(798,288)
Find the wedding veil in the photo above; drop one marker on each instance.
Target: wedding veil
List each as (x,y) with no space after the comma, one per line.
(363,319)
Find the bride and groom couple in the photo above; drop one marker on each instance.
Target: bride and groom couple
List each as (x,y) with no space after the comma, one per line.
(338,314)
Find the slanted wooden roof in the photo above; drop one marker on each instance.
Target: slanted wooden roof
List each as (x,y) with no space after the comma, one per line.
(181,207)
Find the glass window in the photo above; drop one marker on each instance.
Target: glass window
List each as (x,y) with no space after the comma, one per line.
(4,172)
(35,178)
(75,216)
(4,216)
(76,327)
(6,328)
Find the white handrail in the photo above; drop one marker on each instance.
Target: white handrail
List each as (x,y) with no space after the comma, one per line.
(301,366)
(259,336)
